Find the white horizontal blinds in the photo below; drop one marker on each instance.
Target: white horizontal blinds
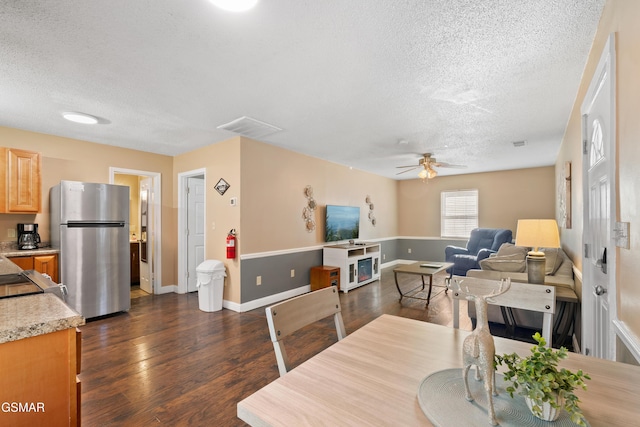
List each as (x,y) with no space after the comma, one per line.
(459,213)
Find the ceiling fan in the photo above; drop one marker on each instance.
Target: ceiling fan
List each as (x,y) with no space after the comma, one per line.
(427,165)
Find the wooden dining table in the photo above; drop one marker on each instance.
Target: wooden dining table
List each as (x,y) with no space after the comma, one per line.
(372,377)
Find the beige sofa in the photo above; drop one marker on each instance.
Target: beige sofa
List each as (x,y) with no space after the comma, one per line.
(510,261)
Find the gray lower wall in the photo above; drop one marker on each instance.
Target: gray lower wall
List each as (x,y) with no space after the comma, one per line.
(425,249)
(275,270)
(276,273)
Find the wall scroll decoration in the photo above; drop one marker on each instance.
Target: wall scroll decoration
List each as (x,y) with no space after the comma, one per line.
(222,186)
(307,211)
(372,217)
(564,196)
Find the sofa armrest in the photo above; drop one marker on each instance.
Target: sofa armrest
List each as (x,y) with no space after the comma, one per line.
(450,251)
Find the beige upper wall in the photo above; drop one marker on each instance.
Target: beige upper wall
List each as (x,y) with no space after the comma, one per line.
(620,17)
(221,160)
(268,183)
(71,159)
(133,182)
(504,197)
(273,183)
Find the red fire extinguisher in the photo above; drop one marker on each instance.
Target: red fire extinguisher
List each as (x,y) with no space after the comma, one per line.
(231,244)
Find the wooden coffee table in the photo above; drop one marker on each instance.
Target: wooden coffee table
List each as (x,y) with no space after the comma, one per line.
(424,269)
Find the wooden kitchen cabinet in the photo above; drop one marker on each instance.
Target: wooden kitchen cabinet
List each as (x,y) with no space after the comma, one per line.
(47,264)
(42,370)
(20,181)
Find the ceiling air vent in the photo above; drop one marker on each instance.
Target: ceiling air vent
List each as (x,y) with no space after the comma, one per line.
(519,143)
(250,128)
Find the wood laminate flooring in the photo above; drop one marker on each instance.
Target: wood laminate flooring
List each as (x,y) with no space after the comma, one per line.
(165,362)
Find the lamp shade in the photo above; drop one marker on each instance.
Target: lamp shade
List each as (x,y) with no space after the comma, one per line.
(537,233)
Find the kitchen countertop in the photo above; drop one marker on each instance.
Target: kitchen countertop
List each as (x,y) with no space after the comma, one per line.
(30,252)
(32,315)
(7,267)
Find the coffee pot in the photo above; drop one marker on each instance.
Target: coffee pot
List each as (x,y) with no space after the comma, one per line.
(28,237)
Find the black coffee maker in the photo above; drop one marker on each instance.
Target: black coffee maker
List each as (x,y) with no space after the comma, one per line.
(28,237)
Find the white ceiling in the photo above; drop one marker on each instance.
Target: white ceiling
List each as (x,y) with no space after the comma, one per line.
(345,79)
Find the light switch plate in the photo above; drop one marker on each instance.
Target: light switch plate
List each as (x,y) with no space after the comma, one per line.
(621,234)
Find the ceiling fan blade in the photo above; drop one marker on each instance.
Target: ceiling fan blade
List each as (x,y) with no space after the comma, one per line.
(408,170)
(408,166)
(449,165)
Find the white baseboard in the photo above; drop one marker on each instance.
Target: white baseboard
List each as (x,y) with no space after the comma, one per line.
(167,289)
(263,302)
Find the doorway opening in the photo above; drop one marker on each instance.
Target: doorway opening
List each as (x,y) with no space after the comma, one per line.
(145,227)
(192,220)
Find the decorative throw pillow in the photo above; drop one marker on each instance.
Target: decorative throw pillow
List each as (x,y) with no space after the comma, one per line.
(553,260)
(514,263)
(511,249)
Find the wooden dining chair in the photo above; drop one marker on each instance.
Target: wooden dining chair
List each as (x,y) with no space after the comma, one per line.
(524,296)
(291,315)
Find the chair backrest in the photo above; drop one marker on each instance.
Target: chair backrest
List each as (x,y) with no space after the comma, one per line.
(525,296)
(288,316)
(488,238)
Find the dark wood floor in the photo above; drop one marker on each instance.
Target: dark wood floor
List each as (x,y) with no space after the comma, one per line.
(165,362)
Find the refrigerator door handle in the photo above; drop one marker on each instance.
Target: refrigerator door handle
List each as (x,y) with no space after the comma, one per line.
(88,224)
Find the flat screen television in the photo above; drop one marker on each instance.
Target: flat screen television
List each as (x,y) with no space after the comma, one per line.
(342,223)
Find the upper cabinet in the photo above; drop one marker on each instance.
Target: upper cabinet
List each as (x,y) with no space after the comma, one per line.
(20,181)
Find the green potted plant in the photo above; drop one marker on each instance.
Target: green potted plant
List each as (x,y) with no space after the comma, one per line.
(546,388)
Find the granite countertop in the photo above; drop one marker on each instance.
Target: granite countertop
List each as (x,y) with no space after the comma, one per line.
(30,252)
(32,315)
(7,267)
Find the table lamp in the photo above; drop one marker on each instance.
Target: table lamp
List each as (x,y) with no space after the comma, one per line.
(537,233)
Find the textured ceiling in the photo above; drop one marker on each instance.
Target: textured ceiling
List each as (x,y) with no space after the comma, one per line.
(345,79)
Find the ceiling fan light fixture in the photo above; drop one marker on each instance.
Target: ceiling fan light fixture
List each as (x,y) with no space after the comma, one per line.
(235,5)
(423,174)
(85,119)
(431,173)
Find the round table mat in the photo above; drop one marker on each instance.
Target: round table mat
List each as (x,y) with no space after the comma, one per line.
(442,399)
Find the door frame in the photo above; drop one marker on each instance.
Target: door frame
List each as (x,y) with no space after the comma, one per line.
(607,63)
(182,223)
(156,260)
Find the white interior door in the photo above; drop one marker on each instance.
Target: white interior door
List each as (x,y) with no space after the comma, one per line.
(195,228)
(146,236)
(599,263)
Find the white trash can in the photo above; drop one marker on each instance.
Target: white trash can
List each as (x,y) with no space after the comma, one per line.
(211,274)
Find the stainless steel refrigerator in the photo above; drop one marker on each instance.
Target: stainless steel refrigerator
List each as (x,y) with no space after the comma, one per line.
(90,226)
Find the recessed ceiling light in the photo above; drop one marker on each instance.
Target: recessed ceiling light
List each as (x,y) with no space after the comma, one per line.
(80,118)
(235,5)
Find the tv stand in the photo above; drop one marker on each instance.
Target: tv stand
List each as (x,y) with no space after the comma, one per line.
(359,263)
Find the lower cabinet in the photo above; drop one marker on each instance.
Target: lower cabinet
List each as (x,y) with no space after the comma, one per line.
(47,264)
(39,384)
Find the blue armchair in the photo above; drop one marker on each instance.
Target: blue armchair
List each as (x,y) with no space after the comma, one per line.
(482,243)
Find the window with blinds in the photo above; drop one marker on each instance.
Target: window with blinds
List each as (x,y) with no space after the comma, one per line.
(458,213)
